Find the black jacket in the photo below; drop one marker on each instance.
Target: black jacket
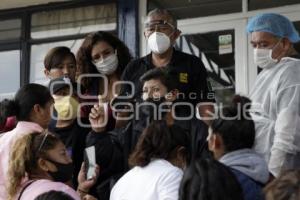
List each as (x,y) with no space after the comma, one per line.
(192,76)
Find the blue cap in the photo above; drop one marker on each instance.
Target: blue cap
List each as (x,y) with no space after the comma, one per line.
(275,24)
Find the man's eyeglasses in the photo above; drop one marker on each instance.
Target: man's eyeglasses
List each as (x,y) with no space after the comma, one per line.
(160,25)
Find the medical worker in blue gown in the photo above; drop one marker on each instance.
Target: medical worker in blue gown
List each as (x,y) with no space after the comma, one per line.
(276,92)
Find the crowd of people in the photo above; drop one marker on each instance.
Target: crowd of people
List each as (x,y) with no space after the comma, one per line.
(141,117)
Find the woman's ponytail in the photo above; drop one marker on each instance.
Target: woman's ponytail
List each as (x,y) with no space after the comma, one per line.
(21,155)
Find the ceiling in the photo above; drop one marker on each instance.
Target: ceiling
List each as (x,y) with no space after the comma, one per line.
(8,4)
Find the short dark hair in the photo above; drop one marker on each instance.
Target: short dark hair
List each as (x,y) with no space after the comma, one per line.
(208,179)
(26,97)
(159,141)
(239,131)
(165,75)
(286,186)
(56,55)
(54,195)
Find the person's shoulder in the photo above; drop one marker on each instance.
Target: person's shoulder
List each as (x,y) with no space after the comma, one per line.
(291,71)
(290,62)
(49,183)
(186,55)
(195,62)
(250,187)
(136,62)
(45,185)
(166,168)
(169,175)
(133,67)
(52,185)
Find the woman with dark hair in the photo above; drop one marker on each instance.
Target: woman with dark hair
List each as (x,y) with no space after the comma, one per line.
(231,138)
(60,61)
(31,106)
(208,179)
(103,54)
(158,159)
(43,160)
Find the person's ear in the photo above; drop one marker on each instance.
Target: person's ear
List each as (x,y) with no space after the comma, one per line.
(218,141)
(286,44)
(42,164)
(215,142)
(181,154)
(176,35)
(172,95)
(37,108)
(145,35)
(47,73)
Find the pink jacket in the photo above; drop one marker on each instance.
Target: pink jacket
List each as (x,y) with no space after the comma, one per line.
(6,141)
(39,187)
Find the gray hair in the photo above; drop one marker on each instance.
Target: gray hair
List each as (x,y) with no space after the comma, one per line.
(157,11)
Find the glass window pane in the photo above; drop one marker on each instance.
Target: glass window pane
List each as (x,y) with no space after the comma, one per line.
(10,29)
(259,4)
(216,50)
(197,8)
(38,53)
(74,21)
(9,71)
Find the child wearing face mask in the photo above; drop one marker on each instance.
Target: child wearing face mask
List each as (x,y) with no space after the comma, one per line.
(43,159)
(101,54)
(68,127)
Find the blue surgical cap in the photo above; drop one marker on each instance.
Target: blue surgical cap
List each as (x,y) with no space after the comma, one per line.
(275,24)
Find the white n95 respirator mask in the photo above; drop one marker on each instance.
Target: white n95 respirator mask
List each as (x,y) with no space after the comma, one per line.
(159,42)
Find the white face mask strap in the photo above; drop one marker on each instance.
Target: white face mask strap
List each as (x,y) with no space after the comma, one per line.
(271,52)
(277,43)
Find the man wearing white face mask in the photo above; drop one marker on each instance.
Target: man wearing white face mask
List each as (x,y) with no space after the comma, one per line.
(276,92)
(161,33)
